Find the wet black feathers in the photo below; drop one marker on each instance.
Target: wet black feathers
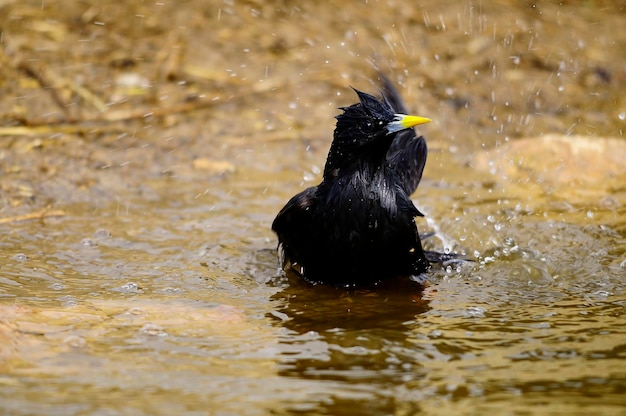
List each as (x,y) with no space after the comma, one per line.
(357,226)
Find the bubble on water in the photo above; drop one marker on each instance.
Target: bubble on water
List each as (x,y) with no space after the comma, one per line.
(153,330)
(20,257)
(171,290)
(435,333)
(622,115)
(476,312)
(75,341)
(57,286)
(88,242)
(130,287)
(311,336)
(69,301)
(623,264)
(102,233)
(602,293)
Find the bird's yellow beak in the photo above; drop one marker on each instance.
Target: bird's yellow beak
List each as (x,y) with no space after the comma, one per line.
(403,122)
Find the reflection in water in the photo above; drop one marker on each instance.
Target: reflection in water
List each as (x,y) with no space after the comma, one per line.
(326,308)
(353,339)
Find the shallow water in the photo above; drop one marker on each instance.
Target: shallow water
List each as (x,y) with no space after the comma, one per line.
(183,310)
(155,287)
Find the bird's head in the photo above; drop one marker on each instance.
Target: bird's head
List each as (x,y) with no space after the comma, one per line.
(365,130)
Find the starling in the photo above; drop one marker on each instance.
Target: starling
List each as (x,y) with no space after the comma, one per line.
(357,227)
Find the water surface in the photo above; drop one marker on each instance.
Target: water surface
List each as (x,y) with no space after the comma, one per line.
(138,271)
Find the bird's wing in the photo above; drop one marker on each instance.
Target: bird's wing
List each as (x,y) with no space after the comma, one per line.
(293,224)
(408,159)
(408,152)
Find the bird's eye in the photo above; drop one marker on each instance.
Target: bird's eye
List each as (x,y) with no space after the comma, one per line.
(371,125)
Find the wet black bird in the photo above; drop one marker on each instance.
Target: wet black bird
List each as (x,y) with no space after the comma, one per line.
(357,227)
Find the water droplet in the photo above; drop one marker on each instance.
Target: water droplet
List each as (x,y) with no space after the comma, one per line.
(622,115)
(20,257)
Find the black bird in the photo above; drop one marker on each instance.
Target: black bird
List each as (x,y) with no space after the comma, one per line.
(357,227)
